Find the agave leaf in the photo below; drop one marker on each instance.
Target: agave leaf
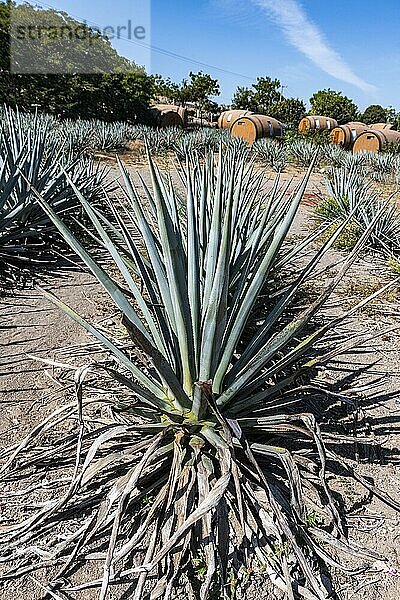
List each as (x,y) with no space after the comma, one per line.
(292,472)
(131,482)
(240,314)
(153,386)
(122,267)
(217,302)
(193,268)
(143,270)
(211,501)
(173,253)
(152,248)
(281,339)
(214,235)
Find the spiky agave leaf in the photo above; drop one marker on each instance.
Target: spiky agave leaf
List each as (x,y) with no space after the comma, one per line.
(231,461)
(273,152)
(29,156)
(350,192)
(302,153)
(333,155)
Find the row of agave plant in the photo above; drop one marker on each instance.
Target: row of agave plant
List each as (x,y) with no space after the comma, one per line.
(84,136)
(383,167)
(278,154)
(30,156)
(180,141)
(208,445)
(351,196)
(379,167)
(79,136)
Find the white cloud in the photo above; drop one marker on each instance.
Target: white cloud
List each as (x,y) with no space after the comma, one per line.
(304,35)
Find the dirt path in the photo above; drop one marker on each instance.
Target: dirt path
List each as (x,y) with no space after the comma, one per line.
(31,325)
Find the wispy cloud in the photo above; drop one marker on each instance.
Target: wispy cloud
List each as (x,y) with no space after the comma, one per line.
(304,35)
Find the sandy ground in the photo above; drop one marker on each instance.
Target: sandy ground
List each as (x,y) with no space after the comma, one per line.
(30,325)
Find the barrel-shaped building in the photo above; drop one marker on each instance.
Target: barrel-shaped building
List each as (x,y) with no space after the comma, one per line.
(228,117)
(316,122)
(255,127)
(383,126)
(375,140)
(168,115)
(345,135)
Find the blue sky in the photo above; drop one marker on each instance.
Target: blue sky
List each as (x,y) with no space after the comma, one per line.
(348,45)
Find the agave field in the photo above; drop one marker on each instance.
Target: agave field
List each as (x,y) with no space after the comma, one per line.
(30,156)
(195,449)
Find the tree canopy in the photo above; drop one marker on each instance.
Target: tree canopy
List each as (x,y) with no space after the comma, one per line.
(335,105)
(115,88)
(260,98)
(243,99)
(265,97)
(374,114)
(199,89)
(289,111)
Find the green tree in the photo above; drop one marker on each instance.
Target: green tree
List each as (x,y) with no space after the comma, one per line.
(261,97)
(117,89)
(267,92)
(374,114)
(290,111)
(201,88)
(243,99)
(165,89)
(334,104)
(197,89)
(392,116)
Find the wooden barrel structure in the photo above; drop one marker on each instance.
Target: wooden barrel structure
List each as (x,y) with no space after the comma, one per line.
(316,122)
(183,113)
(375,140)
(228,117)
(255,127)
(168,115)
(383,126)
(345,135)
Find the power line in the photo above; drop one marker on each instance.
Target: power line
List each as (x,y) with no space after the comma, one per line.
(159,50)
